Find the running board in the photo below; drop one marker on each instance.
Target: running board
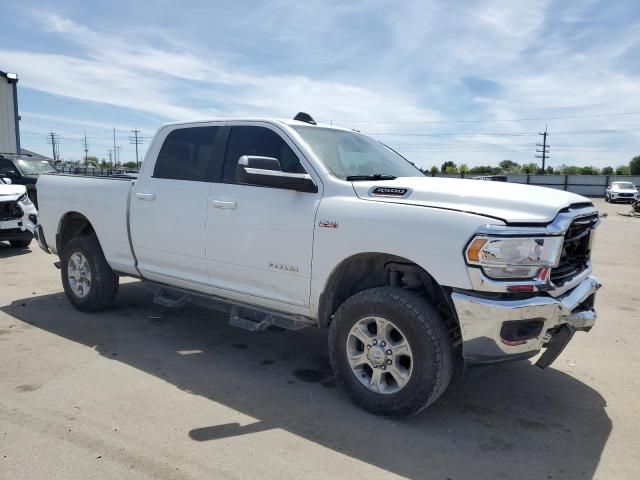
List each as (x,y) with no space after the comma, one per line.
(241,315)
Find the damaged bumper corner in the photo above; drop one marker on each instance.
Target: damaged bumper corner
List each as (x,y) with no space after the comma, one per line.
(497,330)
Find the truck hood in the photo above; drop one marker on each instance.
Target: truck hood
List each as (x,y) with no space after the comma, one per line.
(11,192)
(510,202)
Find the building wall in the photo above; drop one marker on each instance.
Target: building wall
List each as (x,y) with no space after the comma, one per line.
(7,118)
(587,185)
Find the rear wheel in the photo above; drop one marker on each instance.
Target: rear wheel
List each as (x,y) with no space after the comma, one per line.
(390,351)
(89,282)
(20,243)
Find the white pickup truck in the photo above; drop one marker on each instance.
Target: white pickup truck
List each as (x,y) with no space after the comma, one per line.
(294,224)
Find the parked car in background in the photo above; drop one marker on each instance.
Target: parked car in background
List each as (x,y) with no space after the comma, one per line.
(493,178)
(18,214)
(293,224)
(621,192)
(24,170)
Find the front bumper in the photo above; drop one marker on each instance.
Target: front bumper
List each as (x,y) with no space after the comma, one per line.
(14,230)
(497,330)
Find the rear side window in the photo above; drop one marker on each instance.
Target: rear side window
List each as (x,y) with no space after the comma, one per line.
(188,154)
(259,141)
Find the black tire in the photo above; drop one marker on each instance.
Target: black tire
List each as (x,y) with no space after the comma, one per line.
(606,199)
(104,282)
(424,330)
(20,243)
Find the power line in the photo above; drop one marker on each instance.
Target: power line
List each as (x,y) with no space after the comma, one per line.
(136,140)
(86,149)
(544,148)
(54,140)
(503,134)
(444,122)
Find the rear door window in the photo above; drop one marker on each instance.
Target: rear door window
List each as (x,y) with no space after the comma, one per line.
(189,154)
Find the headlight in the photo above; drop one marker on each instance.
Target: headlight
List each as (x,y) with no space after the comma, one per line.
(25,200)
(513,257)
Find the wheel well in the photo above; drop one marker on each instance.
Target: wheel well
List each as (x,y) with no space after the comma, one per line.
(72,225)
(367,270)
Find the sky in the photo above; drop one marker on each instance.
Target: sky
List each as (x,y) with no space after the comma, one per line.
(473,82)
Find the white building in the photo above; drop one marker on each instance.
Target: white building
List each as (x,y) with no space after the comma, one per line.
(9,128)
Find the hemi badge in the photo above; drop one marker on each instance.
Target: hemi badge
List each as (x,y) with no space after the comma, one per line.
(328,224)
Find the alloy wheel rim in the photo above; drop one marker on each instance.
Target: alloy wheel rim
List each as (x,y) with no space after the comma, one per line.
(379,355)
(79,275)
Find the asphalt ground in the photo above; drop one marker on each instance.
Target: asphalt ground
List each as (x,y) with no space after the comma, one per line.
(140,391)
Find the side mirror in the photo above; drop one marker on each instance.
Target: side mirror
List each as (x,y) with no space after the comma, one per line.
(267,172)
(6,180)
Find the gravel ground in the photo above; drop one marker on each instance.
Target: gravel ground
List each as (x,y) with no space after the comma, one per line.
(140,391)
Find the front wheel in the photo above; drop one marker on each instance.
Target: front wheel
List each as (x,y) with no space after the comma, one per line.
(87,278)
(390,351)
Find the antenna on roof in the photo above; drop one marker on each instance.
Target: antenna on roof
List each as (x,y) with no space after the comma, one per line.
(305,117)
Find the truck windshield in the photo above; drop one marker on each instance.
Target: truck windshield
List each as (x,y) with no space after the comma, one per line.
(624,185)
(35,167)
(351,154)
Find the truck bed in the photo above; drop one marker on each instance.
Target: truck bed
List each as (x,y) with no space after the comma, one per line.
(104,201)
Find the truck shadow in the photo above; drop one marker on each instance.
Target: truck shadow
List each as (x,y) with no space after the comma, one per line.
(7,251)
(511,421)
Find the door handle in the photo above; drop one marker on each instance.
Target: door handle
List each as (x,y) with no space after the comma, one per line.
(146,196)
(223,204)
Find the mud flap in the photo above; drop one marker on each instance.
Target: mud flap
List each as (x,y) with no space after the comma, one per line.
(558,341)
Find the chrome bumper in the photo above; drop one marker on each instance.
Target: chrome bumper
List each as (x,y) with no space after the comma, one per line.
(483,320)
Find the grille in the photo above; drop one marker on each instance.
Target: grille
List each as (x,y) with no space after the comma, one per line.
(575,250)
(10,211)
(625,194)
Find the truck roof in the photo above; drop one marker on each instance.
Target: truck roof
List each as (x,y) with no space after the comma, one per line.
(288,122)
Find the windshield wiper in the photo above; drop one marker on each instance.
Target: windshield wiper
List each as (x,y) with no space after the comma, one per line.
(376,176)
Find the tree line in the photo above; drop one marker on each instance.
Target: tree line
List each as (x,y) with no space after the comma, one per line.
(509,167)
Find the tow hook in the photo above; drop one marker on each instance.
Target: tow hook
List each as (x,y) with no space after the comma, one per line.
(559,339)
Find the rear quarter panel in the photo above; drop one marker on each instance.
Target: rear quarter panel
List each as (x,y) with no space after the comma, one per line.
(103,201)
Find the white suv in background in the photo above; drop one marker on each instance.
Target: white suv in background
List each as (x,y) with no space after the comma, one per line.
(621,191)
(18,214)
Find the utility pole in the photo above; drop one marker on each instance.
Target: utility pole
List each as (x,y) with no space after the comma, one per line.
(54,140)
(114,146)
(110,152)
(118,148)
(545,148)
(136,140)
(86,149)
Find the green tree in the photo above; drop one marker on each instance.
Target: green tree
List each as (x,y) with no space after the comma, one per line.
(464,168)
(530,168)
(509,166)
(451,169)
(570,170)
(448,164)
(129,165)
(607,171)
(434,170)
(623,170)
(589,170)
(634,165)
(482,169)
